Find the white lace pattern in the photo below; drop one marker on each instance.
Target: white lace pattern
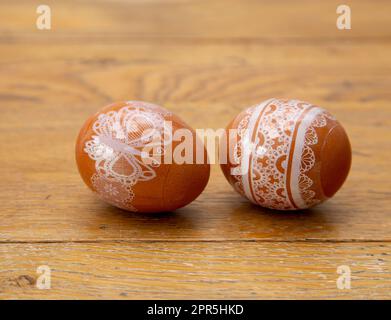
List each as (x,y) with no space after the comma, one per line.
(116,147)
(273,134)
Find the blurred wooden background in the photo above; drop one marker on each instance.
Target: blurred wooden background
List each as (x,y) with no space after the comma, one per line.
(206,60)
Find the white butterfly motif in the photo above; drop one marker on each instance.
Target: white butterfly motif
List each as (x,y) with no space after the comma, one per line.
(118,142)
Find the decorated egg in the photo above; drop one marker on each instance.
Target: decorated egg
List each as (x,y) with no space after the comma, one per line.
(129,154)
(286,154)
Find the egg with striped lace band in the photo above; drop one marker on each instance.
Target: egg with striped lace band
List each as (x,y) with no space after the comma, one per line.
(287,154)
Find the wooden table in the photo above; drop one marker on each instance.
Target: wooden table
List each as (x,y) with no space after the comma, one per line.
(206,61)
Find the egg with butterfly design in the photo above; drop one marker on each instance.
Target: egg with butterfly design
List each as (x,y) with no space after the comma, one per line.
(120,154)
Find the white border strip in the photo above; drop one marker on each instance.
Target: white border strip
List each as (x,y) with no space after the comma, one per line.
(295,119)
(297,153)
(248,148)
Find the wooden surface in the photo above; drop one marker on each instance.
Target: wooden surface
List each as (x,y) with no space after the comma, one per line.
(206,61)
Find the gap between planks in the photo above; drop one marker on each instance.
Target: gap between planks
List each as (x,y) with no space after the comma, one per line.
(128,241)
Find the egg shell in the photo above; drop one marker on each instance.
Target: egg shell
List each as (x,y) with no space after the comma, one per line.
(109,163)
(288,154)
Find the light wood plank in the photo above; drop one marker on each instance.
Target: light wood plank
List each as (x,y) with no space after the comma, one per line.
(48,91)
(226,19)
(196,270)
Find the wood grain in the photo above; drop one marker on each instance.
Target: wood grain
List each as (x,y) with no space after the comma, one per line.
(196,270)
(45,112)
(206,61)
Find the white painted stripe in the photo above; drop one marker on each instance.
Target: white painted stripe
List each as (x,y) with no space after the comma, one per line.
(248,148)
(296,157)
(295,118)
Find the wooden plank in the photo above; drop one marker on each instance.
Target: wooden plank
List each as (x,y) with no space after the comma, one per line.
(342,58)
(227,19)
(205,60)
(47,92)
(53,76)
(196,270)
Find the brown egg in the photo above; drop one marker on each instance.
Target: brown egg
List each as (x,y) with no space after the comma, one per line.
(124,154)
(287,154)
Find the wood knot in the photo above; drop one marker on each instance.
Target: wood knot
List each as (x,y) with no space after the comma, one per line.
(24,281)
